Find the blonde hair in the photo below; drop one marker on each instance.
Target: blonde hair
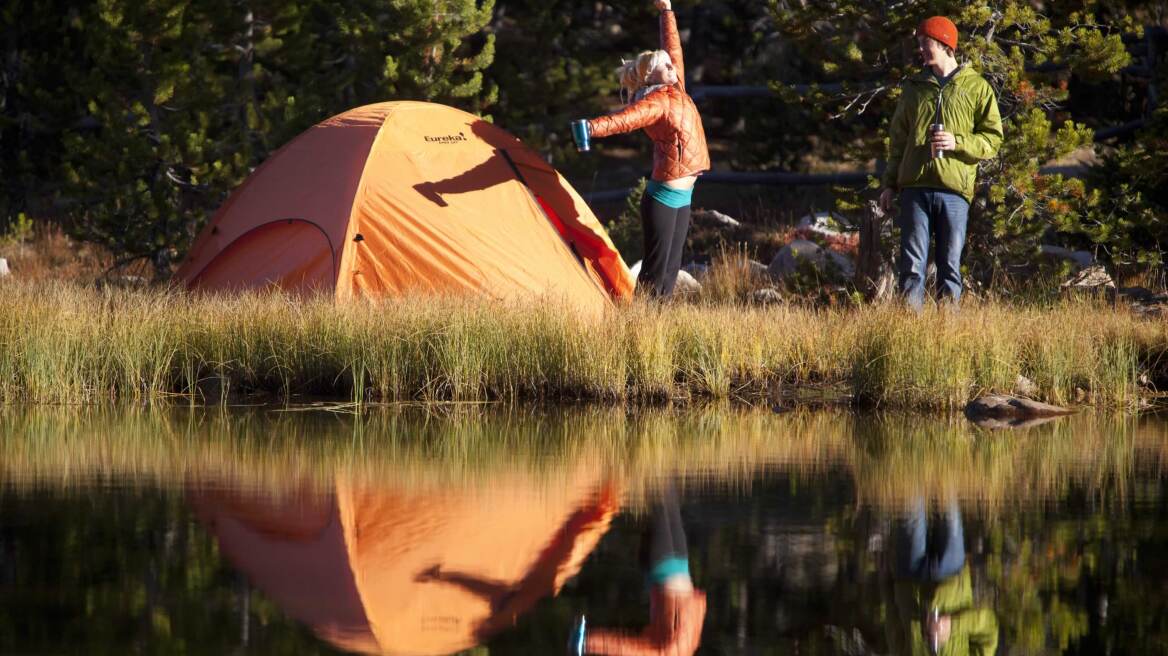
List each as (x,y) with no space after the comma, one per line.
(633,74)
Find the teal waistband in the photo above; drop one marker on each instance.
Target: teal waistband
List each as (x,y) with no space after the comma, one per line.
(668,196)
(668,568)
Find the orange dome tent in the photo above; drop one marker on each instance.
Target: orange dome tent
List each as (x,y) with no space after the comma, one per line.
(408,197)
(393,569)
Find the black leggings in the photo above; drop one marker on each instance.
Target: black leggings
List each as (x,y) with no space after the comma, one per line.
(665,229)
(664,537)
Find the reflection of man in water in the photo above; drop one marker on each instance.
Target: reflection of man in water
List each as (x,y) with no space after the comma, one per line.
(676,610)
(932,595)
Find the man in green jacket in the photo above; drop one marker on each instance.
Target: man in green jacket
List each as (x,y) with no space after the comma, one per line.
(930,601)
(946,121)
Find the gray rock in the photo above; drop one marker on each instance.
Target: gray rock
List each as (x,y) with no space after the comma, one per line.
(821,223)
(788,259)
(846,266)
(1142,295)
(990,423)
(766,296)
(4,268)
(1081,259)
(686,283)
(714,216)
(753,267)
(1023,386)
(1145,302)
(1090,279)
(1011,411)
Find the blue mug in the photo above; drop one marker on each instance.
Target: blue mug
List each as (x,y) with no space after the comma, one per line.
(580,135)
(576,641)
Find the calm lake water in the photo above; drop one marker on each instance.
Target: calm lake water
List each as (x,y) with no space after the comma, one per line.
(490,530)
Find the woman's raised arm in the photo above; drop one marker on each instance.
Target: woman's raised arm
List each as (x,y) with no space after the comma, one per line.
(671,40)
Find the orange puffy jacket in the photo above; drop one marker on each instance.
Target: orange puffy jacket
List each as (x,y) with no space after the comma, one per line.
(668,116)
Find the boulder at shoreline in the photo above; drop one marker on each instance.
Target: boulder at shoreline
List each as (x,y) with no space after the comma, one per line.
(786,262)
(1004,410)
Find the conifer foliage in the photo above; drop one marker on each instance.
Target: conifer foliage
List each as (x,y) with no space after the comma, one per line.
(1125,214)
(130,120)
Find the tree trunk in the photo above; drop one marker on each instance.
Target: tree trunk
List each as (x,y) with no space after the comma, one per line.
(872,278)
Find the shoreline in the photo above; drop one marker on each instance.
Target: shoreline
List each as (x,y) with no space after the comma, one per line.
(62,343)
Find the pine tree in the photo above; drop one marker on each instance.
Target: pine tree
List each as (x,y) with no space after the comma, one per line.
(34,101)
(557,62)
(165,106)
(1124,216)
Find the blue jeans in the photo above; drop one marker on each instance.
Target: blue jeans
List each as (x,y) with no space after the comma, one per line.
(930,556)
(926,212)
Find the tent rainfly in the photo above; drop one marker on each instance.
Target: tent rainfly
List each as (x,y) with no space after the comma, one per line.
(386,568)
(405,198)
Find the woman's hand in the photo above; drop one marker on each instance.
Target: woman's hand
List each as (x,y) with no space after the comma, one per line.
(663,5)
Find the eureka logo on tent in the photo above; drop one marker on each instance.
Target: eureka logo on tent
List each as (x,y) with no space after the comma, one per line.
(446,138)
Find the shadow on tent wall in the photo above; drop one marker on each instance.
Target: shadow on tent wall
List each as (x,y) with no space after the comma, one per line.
(514,162)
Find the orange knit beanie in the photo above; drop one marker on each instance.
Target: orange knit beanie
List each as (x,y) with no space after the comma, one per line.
(941,29)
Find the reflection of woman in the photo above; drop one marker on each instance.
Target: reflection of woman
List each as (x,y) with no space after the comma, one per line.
(658,104)
(676,610)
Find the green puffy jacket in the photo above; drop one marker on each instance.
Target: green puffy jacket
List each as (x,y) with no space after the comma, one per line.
(969,110)
(973,632)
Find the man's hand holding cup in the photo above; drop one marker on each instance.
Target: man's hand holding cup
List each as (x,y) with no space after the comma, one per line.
(940,140)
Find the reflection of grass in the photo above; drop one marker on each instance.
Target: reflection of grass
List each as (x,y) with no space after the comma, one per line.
(903,456)
(890,458)
(277,449)
(68,344)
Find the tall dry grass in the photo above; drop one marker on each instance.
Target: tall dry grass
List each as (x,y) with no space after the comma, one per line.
(62,343)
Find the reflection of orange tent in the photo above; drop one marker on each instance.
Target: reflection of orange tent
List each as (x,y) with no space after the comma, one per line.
(408,197)
(397,571)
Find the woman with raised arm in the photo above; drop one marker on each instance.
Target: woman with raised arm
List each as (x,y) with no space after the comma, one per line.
(677,610)
(657,102)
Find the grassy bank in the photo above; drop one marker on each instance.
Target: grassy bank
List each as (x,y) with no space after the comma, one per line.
(68,344)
